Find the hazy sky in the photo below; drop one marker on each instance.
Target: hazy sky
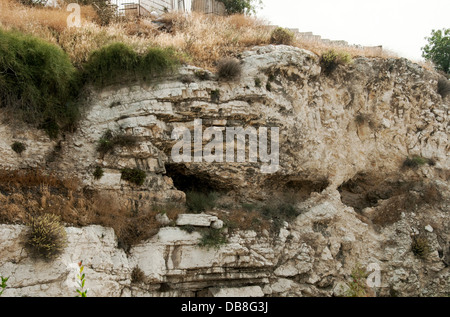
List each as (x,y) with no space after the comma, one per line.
(398,25)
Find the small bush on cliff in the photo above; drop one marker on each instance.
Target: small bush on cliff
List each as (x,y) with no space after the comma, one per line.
(358,284)
(420,246)
(415,161)
(118,62)
(331,59)
(98,173)
(282,36)
(138,276)
(198,202)
(229,69)
(37,80)
(212,238)
(135,176)
(18,147)
(443,87)
(278,213)
(110,140)
(46,237)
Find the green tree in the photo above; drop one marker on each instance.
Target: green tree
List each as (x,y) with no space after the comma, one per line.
(438,49)
(241,6)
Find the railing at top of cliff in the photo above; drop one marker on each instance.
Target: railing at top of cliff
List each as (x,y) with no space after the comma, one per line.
(148,7)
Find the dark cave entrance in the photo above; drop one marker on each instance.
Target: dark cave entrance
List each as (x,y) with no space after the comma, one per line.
(196,181)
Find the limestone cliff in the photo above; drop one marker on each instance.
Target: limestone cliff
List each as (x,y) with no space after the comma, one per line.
(344,138)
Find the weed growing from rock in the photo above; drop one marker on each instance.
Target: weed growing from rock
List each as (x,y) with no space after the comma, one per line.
(3,285)
(282,36)
(46,237)
(420,246)
(331,59)
(212,238)
(135,176)
(198,202)
(229,69)
(98,173)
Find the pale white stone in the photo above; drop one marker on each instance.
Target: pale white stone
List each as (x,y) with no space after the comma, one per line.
(198,220)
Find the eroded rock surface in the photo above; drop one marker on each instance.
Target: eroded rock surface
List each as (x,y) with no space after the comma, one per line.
(343,140)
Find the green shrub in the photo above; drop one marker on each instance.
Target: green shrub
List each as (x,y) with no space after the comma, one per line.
(46,237)
(258,82)
(98,173)
(415,161)
(282,36)
(420,246)
(18,147)
(110,140)
(215,95)
(443,87)
(37,80)
(212,238)
(118,62)
(229,69)
(202,75)
(135,176)
(279,212)
(331,59)
(3,284)
(358,285)
(198,202)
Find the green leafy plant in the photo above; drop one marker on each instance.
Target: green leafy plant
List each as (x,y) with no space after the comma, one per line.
(198,202)
(438,49)
(331,59)
(18,147)
(282,36)
(357,287)
(98,173)
(46,237)
(3,284)
(118,62)
(135,176)
(212,238)
(241,6)
(37,80)
(81,281)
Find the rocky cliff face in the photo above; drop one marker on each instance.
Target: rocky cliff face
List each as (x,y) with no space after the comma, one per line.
(343,141)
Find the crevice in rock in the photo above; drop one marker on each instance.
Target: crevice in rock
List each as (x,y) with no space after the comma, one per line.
(364,191)
(301,188)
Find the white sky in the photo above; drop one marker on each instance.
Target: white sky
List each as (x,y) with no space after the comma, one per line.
(399,25)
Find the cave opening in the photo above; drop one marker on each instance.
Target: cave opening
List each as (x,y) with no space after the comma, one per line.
(196,181)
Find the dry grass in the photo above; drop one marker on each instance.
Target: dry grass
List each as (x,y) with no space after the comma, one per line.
(205,39)
(32,193)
